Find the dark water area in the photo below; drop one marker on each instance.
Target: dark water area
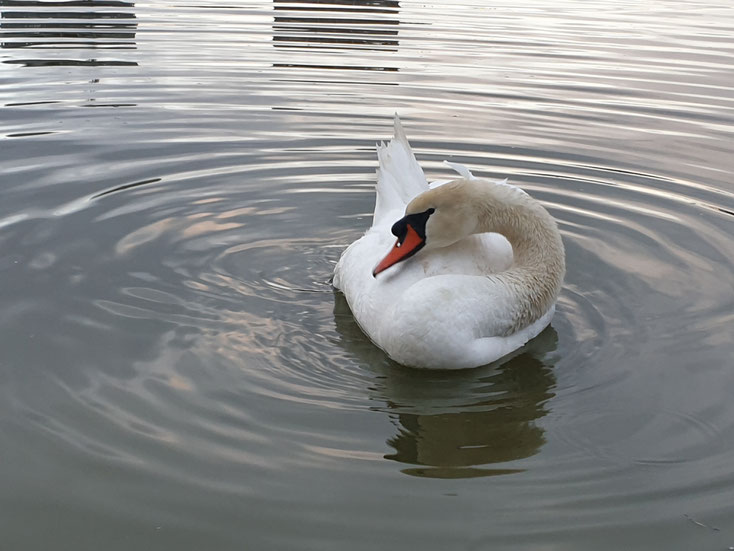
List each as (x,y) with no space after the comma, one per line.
(178,182)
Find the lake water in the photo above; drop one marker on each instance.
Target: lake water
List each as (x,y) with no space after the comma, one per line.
(178,180)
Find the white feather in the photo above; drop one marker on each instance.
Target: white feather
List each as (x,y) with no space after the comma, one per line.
(438,309)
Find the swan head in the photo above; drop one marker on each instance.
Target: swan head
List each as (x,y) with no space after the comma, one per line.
(436,218)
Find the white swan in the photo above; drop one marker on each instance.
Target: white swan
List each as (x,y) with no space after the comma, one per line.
(452,292)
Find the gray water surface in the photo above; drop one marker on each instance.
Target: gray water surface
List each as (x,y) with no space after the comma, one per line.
(178,181)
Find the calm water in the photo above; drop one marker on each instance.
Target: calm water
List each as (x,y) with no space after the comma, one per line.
(178,180)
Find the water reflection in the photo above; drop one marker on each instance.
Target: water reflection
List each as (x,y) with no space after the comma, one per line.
(366,25)
(360,24)
(460,424)
(52,26)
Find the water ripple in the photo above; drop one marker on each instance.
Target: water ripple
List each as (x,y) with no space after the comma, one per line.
(171,335)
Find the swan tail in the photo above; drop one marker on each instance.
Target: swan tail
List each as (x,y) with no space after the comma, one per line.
(399,177)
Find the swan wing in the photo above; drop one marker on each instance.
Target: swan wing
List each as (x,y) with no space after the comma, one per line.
(452,321)
(399,177)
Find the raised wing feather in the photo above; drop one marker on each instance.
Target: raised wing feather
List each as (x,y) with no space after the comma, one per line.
(399,178)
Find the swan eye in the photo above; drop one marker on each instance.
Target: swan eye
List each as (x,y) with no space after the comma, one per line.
(416,221)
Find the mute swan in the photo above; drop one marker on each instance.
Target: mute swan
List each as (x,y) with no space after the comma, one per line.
(474,273)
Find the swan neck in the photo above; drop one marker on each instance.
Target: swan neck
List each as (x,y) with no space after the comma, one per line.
(529,228)
(536,275)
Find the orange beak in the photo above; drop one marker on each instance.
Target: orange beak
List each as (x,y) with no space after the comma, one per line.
(406,248)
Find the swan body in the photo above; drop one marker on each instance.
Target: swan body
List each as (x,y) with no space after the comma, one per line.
(473,276)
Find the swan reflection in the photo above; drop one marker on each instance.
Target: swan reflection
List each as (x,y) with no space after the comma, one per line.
(461,424)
